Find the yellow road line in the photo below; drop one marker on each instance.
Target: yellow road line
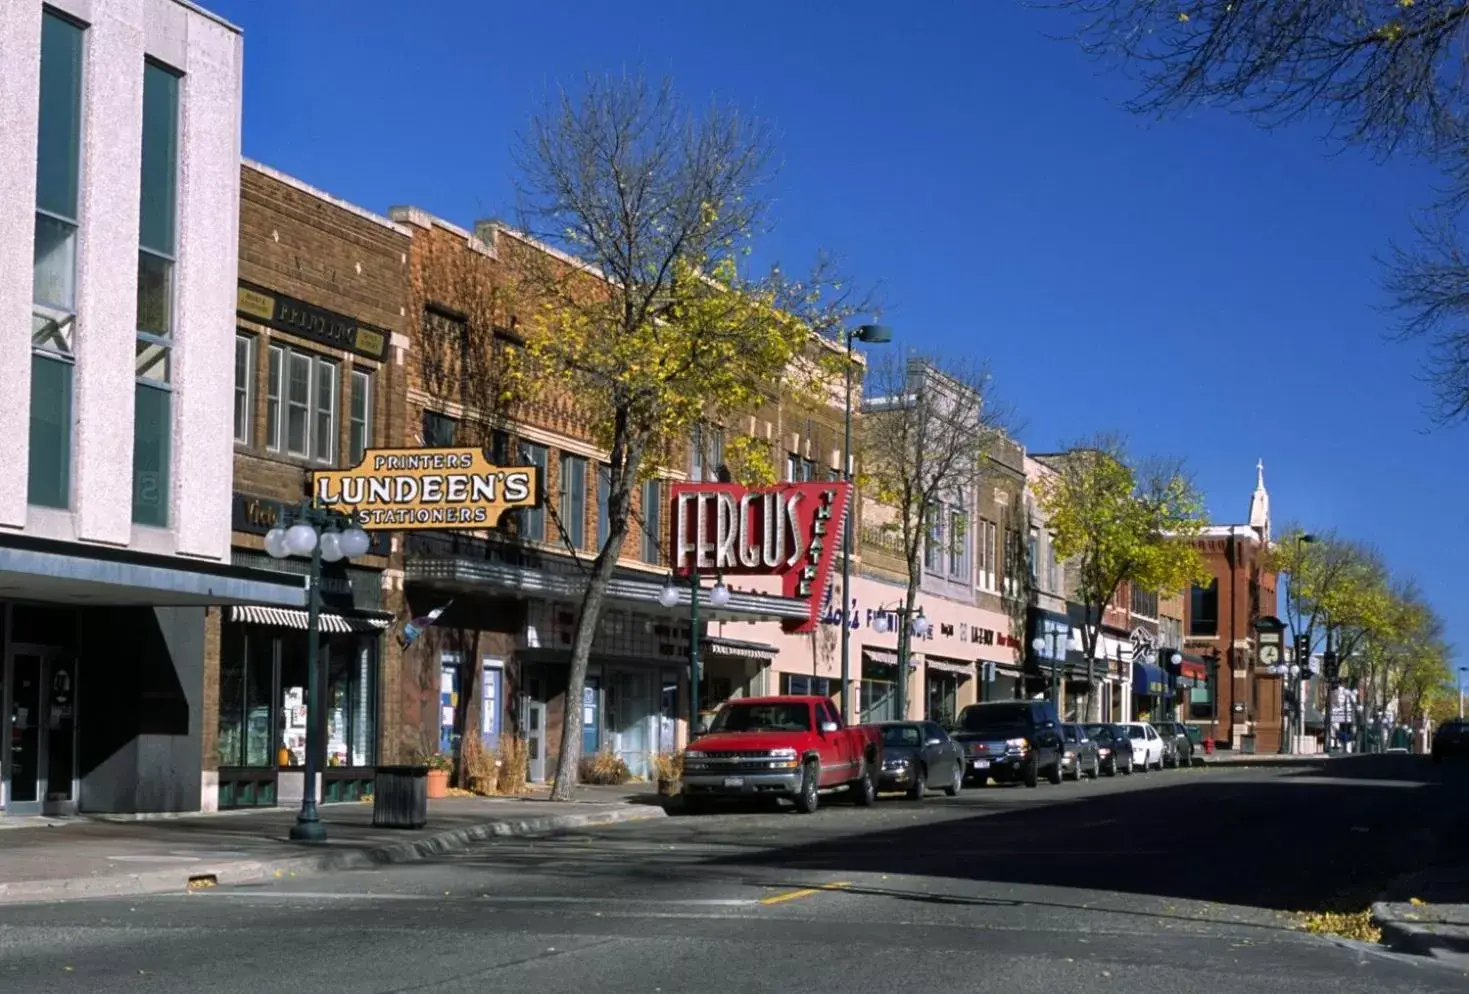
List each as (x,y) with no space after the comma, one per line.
(795,895)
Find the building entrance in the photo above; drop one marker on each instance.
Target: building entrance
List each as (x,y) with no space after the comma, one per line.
(38,732)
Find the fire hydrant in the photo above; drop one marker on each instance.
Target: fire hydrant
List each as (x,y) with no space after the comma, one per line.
(1209,746)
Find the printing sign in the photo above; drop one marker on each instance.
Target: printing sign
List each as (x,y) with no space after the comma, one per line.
(427,489)
(790,531)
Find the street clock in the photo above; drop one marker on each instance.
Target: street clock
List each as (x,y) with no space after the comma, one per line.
(1269,653)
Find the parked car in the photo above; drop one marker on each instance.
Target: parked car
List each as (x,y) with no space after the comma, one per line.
(1010,741)
(1178,748)
(1147,745)
(917,754)
(1114,748)
(790,747)
(1451,739)
(1079,755)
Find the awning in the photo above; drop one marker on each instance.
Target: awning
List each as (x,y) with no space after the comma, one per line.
(1193,671)
(1148,680)
(735,647)
(327,621)
(945,666)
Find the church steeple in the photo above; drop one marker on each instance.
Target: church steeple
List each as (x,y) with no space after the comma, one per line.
(1260,504)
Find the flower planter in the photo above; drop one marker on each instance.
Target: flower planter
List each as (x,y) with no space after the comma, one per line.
(438,784)
(668,786)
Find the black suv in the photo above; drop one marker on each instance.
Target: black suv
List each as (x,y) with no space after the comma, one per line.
(1010,741)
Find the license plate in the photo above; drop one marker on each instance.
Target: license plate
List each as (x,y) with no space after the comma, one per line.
(734,781)
(981,764)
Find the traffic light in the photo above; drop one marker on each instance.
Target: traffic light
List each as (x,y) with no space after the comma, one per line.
(1330,665)
(1303,655)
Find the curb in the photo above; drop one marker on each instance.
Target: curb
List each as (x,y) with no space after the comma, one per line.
(1442,943)
(254,871)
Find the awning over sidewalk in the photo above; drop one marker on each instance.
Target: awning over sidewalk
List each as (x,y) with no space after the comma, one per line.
(327,621)
(1148,680)
(949,666)
(79,573)
(716,646)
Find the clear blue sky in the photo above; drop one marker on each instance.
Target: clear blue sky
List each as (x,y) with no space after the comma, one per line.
(1204,287)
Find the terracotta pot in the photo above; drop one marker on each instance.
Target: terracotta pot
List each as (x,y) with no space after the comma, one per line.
(438,783)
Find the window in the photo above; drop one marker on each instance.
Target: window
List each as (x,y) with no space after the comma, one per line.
(157,237)
(933,547)
(1145,602)
(958,545)
(652,520)
(533,519)
(306,386)
(707,455)
(359,422)
(986,548)
(799,470)
(1032,555)
(500,447)
(573,504)
(797,685)
(1203,615)
(604,499)
(438,430)
(53,273)
(1010,568)
(244,387)
(1053,578)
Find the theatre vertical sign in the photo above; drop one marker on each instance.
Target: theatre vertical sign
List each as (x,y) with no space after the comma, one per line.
(790,531)
(414,489)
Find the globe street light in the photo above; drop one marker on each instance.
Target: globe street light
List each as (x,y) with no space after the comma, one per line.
(326,536)
(917,625)
(872,334)
(718,597)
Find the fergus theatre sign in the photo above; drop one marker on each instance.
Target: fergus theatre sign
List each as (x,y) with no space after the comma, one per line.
(427,488)
(790,531)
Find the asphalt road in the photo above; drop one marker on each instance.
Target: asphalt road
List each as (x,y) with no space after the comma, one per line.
(1181,881)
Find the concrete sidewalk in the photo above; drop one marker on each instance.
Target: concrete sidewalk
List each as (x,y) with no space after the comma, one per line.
(64,859)
(1229,757)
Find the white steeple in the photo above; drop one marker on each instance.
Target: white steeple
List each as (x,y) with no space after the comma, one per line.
(1260,504)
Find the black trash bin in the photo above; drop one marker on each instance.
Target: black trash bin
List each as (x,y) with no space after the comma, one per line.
(400,797)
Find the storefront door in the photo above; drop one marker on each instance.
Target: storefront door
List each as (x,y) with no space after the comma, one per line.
(39,724)
(630,716)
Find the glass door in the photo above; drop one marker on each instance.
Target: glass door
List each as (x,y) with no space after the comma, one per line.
(40,747)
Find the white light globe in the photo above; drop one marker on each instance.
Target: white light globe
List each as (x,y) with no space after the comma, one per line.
(275,543)
(300,539)
(331,547)
(1038,644)
(354,542)
(880,624)
(668,596)
(922,627)
(719,596)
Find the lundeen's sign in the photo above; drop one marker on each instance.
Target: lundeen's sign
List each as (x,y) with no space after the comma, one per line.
(790,531)
(427,488)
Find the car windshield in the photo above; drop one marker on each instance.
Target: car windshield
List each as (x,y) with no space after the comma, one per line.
(1102,733)
(762,718)
(900,735)
(1000,720)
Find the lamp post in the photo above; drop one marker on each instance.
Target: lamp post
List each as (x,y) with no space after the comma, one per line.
(872,334)
(1174,659)
(1289,717)
(1462,671)
(1039,645)
(718,597)
(1292,672)
(919,626)
(1214,692)
(326,536)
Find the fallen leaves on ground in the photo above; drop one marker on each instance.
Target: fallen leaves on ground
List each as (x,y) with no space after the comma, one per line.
(1349,925)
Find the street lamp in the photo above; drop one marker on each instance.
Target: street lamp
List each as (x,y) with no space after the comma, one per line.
(1306,538)
(718,597)
(918,625)
(1174,658)
(872,334)
(1039,645)
(326,536)
(1462,671)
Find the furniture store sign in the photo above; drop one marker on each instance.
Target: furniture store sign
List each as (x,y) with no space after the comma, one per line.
(427,488)
(790,531)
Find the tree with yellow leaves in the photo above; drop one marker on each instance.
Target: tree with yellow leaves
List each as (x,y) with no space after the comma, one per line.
(1118,523)
(643,313)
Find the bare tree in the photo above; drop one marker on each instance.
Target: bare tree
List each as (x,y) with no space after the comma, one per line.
(642,320)
(1386,75)
(928,428)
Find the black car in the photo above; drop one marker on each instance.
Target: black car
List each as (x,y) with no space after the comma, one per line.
(1079,756)
(917,755)
(1010,741)
(1178,747)
(1451,739)
(1114,748)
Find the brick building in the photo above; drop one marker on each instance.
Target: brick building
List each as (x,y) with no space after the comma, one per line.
(319,352)
(1239,702)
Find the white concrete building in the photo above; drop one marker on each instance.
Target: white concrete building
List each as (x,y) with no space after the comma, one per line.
(119,197)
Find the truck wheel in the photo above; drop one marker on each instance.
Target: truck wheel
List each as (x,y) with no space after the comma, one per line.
(808,799)
(1054,776)
(920,785)
(864,790)
(1032,772)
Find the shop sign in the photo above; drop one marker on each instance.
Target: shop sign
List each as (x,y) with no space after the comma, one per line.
(1144,645)
(296,317)
(427,489)
(789,531)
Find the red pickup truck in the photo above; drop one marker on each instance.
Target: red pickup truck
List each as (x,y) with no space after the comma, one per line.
(792,747)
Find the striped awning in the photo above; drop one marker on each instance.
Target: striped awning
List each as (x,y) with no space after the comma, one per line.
(327,621)
(963,669)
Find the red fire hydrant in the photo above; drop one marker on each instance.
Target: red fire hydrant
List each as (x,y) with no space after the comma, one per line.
(1209,746)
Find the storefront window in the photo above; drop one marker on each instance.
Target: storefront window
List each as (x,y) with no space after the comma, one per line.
(351,717)
(246,669)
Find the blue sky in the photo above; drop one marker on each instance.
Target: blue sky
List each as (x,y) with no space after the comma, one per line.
(1202,286)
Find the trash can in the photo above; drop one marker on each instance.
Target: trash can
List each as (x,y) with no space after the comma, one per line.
(1247,745)
(400,797)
